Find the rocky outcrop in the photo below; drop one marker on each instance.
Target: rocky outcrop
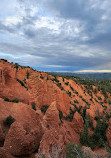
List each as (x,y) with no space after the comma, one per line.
(51,117)
(60,134)
(5,154)
(20,143)
(77,123)
(24,136)
(2,137)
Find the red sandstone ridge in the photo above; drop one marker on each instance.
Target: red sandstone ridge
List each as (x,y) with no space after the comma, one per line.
(23,92)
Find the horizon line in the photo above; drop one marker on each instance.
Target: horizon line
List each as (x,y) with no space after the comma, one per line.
(87,71)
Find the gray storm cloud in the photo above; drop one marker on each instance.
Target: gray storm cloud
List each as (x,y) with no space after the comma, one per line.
(61,35)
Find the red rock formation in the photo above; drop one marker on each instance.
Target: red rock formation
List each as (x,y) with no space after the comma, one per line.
(5,154)
(33,127)
(51,117)
(77,123)
(20,142)
(59,133)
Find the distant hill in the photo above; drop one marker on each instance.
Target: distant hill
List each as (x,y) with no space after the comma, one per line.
(99,76)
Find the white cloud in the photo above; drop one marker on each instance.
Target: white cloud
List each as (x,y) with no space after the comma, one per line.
(49,23)
(13,20)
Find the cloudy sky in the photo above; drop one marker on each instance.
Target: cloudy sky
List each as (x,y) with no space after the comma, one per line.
(57,35)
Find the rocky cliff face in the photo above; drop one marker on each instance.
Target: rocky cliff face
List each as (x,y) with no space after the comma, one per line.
(2,77)
(35,130)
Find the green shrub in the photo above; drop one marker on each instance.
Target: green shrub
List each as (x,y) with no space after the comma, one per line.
(7,99)
(100,132)
(98,138)
(85,101)
(27,74)
(95,91)
(70,116)
(22,84)
(83,113)
(108,149)
(108,115)
(55,79)
(91,124)
(88,91)
(4,60)
(105,101)
(104,92)
(24,81)
(16,66)
(78,109)
(76,101)
(96,100)
(99,98)
(76,92)
(109,101)
(33,106)
(99,88)
(59,85)
(41,77)
(71,88)
(44,108)
(67,83)
(69,93)
(84,138)
(74,151)
(60,115)
(15,100)
(8,121)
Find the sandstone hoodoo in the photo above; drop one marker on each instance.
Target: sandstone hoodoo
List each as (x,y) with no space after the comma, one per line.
(42,114)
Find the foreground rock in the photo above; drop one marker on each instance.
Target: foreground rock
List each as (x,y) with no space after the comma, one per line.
(59,134)
(5,154)
(20,143)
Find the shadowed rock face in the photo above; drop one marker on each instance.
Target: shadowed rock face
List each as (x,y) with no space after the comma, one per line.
(2,77)
(2,137)
(34,130)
